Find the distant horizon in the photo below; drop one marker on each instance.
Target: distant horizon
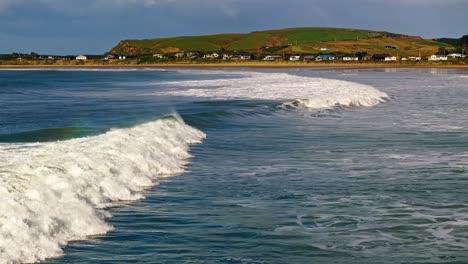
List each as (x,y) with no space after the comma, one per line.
(69,27)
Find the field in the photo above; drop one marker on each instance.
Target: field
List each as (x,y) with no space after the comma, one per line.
(244,42)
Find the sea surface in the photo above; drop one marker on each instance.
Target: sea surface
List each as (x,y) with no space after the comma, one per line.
(248,166)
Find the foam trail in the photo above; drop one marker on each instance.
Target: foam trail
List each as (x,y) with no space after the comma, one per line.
(294,91)
(53,193)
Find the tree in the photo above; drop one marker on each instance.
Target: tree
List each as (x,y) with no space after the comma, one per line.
(361,54)
(442,51)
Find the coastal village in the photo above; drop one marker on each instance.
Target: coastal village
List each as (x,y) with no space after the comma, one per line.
(244,56)
(284,46)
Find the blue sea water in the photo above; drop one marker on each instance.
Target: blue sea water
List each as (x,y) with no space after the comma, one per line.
(385,183)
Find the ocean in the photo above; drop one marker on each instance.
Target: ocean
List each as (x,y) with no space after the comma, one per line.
(234,166)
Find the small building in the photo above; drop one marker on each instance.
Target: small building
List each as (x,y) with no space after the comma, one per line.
(158,56)
(384,57)
(350,58)
(237,56)
(456,55)
(81,57)
(179,54)
(414,58)
(211,56)
(324,49)
(295,58)
(309,57)
(438,58)
(273,57)
(193,54)
(50,58)
(109,57)
(242,57)
(325,58)
(122,57)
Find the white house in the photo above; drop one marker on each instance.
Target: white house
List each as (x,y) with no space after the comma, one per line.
(272,57)
(438,58)
(456,55)
(158,56)
(180,54)
(242,57)
(414,58)
(350,58)
(122,57)
(294,58)
(211,56)
(81,57)
(390,58)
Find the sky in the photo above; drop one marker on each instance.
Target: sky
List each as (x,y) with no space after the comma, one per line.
(95,26)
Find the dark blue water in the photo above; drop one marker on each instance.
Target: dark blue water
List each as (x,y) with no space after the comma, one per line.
(380,184)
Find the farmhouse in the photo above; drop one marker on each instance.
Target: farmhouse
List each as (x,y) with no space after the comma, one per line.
(438,58)
(81,57)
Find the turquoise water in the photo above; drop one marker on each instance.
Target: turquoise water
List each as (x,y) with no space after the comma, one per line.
(270,183)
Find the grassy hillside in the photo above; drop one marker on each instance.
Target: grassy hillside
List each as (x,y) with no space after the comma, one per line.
(293,40)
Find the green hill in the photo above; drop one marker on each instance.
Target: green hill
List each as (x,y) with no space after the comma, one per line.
(291,40)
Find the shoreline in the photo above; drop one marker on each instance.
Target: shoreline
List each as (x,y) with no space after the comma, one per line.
(238,65)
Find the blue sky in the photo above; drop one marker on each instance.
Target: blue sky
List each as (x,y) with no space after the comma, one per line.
(95,26)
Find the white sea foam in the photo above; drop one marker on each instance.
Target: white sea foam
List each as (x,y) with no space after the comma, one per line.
(293,91)
(53,193)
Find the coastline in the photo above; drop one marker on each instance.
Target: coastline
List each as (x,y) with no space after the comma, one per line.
(235,65)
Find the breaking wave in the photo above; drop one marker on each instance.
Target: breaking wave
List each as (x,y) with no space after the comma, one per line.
(57,192)
(293,91)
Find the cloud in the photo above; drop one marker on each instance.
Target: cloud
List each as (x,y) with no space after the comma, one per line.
(82,7)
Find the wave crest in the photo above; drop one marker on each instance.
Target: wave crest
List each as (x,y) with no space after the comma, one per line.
(295,91)
(53,193)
